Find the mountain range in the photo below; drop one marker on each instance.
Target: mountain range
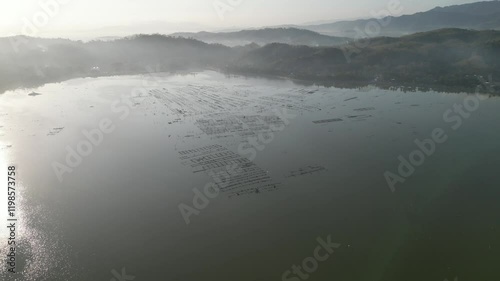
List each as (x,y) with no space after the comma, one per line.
(479,16)
(446,58)
(292,36)
(438,58)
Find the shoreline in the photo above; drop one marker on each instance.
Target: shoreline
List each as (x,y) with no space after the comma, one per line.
(328,82)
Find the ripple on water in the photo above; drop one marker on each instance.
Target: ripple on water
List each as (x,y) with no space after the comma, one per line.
(40,253)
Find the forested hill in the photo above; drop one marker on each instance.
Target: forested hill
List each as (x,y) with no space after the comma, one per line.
(447,59)
(29,61)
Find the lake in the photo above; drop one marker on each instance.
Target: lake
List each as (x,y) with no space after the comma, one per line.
(204,176)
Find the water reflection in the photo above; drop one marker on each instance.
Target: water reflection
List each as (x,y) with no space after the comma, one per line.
(39,253)
(119,208)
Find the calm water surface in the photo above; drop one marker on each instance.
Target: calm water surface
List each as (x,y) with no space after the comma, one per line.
(318,173)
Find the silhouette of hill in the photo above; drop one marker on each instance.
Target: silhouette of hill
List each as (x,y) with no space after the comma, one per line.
(479,16)
(291,36)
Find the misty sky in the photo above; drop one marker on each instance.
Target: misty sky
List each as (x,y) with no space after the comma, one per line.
(79,15)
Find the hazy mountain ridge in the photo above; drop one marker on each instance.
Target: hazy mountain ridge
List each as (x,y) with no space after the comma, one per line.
(448,59)
(478,8)
(480,16)
(291,36)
